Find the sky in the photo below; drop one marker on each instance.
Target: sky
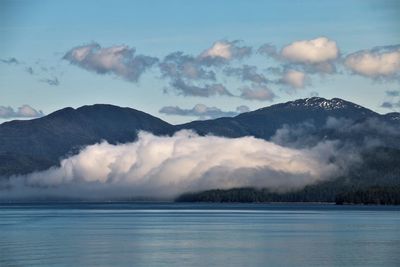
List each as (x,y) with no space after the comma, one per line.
(187,60)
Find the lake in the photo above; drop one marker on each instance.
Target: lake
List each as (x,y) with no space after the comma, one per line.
(180,234)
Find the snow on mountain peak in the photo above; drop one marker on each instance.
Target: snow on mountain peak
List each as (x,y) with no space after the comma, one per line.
(319,102)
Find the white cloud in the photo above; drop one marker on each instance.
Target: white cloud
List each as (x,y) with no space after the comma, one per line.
(376,63)
(185,70)
(313,51)
(225,50)
(24,111)
(164,167)
(119,60)
(218,49)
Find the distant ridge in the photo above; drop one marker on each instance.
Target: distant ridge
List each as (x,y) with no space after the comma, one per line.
(264,122)
(38,144)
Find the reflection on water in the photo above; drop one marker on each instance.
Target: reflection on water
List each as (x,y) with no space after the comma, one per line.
(168,234)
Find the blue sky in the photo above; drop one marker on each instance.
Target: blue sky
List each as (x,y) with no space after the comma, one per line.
(39,35)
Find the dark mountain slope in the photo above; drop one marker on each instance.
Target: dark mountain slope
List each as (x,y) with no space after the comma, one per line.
(264,122)
(393,116)
(38,144)
(375,181)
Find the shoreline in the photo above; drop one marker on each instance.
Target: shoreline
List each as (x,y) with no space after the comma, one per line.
(202,203)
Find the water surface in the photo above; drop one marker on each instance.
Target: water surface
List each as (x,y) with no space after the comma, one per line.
(179,234)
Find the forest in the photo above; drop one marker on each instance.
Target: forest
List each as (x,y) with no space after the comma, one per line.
(375,181)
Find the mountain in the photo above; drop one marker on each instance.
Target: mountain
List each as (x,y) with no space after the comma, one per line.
(393,116)
(30,145)
(27,146)
(264,122)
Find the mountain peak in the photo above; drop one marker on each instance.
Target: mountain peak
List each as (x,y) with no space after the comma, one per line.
(320,104)
(323,103)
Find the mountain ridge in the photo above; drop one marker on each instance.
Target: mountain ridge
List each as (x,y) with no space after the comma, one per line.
(37,144)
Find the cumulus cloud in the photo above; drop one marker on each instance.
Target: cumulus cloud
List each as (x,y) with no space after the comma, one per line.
(314,56)
(164,167)
(179,65)
(119,60)
(295,79)
(218,49)
(222,51)
(377,63)
(313,51)
(24,111)
(246,73)
(207,90)
(184,71)
(257,92)
(202,111)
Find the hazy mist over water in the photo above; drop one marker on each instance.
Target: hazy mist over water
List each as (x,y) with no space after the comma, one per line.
(163,167)
(170,234)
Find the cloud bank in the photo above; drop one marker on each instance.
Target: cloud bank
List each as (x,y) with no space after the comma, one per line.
(24,111)
(164,167)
